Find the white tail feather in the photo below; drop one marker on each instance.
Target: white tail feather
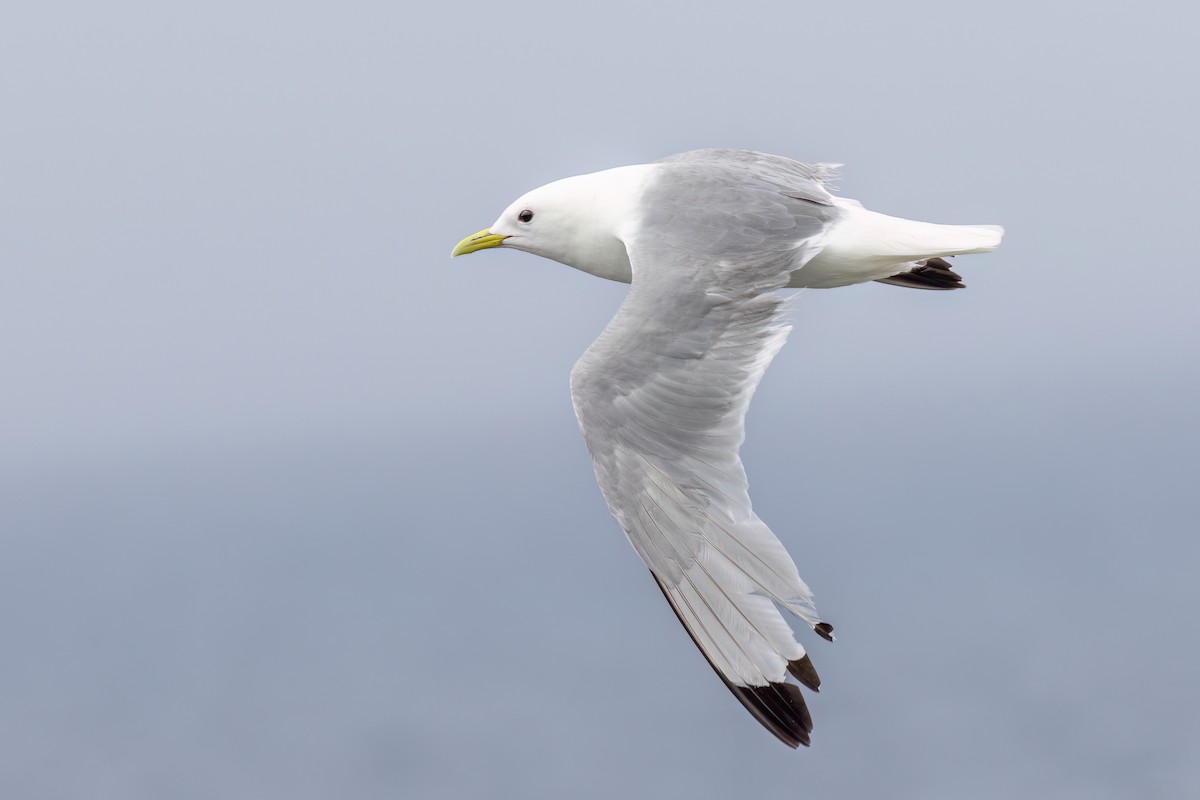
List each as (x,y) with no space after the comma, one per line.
(866,245)
(910,240)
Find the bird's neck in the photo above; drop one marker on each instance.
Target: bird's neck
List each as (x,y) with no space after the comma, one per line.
(597,242)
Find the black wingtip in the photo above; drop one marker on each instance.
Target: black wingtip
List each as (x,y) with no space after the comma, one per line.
(824,630)
(780,706)
(802,669)
(935,273)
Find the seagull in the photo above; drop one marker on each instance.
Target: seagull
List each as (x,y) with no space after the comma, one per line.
(706,239)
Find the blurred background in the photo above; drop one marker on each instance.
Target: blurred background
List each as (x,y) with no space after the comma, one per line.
(291,505)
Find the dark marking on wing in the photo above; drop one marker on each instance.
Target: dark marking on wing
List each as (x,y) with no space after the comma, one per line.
(802,670)
(935,273)
(780,707)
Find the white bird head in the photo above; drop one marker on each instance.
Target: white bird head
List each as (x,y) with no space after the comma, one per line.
(579,221)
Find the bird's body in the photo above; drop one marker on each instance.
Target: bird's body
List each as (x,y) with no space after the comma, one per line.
(706,238)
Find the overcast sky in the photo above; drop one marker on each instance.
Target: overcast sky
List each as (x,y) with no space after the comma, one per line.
(291,505)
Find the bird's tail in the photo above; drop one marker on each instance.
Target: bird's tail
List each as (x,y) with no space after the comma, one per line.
(906,239)
(926,243)
(865,245)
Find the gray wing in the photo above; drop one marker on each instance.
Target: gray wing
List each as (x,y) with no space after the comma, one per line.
(661,397)
(805,181)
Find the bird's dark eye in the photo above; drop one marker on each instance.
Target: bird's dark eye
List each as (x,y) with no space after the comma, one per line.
(525,216)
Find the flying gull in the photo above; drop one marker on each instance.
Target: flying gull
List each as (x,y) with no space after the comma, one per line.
(706,239)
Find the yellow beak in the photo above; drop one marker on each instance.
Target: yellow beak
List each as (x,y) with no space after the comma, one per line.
(477,241)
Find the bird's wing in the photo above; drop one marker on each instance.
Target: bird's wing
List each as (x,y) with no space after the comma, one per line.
(804,180)
(929,273)
(661,397)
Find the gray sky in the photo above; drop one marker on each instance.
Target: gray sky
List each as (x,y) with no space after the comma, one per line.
(293,506)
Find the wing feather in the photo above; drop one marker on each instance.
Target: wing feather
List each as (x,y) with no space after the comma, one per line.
(661,397)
